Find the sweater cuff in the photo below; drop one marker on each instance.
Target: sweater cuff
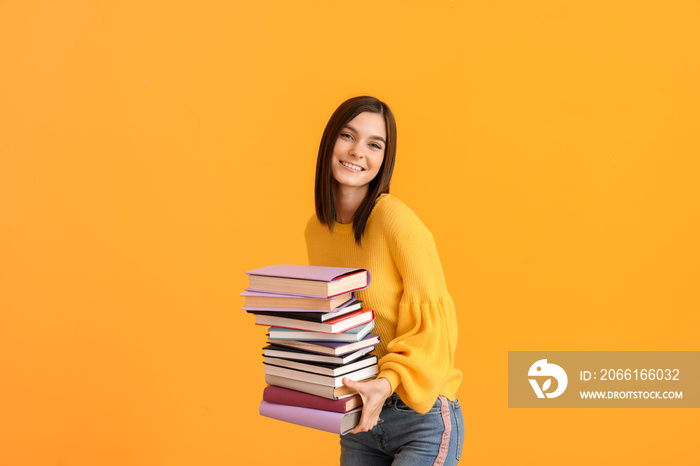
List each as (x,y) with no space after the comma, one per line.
(392,377)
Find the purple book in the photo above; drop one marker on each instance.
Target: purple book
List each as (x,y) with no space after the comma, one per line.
(307,280)
(305,272)
(328,421)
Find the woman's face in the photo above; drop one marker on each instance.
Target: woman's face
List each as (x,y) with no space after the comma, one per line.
(359,150)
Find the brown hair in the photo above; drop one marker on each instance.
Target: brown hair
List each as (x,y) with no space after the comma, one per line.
(324,195)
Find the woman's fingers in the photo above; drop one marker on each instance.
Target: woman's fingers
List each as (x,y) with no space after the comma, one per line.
(350,383)
(373,394)
(366,423)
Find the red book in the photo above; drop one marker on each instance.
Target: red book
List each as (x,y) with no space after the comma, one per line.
(285,396)
(334,326)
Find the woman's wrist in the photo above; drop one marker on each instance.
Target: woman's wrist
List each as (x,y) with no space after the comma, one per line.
(392,377)
(386,386)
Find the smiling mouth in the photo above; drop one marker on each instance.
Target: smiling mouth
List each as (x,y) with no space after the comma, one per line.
(352,167)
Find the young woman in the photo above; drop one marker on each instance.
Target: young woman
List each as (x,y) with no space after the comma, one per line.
(410,414)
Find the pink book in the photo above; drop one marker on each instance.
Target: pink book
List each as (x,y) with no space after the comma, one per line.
(285,396)
(264,301)
(328,421)
(307,280)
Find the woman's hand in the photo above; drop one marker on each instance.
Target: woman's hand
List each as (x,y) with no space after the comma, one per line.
(374,393)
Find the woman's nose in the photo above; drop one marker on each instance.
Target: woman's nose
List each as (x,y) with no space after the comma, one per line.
(357,151)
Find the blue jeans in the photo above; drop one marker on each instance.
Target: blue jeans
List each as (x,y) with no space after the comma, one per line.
(407,438)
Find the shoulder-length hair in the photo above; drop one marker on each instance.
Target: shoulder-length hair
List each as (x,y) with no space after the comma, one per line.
(324,193)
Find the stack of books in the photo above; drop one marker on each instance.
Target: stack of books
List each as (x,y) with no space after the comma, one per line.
(319,333)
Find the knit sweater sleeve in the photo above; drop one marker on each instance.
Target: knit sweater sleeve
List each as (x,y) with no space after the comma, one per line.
(419,359)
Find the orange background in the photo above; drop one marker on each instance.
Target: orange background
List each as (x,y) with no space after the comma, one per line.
(152,152)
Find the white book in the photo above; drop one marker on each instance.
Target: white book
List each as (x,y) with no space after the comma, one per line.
(325,391)
(354,334)
(332,381)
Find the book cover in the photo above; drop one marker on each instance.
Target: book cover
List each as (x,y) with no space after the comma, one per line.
(352,335)
(334,326)
(305,272)
(329,421)
(286,396)
(308,280)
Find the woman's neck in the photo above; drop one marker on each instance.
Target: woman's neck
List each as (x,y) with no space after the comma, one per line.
(347,201)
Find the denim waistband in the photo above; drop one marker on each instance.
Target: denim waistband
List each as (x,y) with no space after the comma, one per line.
(392,399)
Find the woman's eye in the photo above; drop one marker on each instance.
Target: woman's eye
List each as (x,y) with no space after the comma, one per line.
(376,146)
(346,135)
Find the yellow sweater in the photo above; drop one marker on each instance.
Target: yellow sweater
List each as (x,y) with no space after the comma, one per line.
(415,315)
